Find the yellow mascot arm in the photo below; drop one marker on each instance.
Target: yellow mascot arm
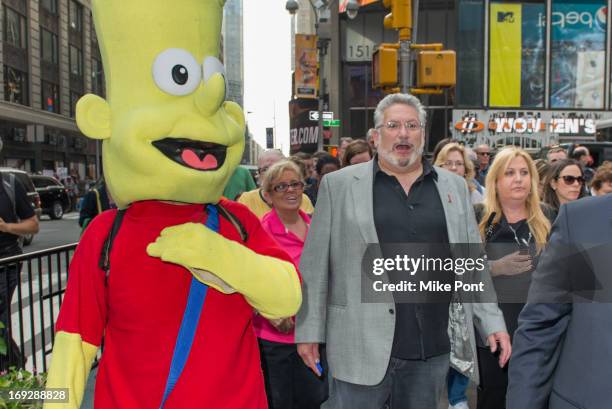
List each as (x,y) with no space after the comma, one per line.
(270,285)
(70,366)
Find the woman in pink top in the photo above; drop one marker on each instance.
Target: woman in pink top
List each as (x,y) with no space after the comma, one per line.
(289,383)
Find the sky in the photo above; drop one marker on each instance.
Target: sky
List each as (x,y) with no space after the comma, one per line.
(267,69)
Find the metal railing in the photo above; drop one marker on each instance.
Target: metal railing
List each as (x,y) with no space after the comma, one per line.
(39,280)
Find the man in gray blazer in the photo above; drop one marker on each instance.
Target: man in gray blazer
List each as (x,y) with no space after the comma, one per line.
(390,351)
(563,345)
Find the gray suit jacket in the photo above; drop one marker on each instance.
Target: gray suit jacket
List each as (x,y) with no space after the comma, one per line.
(562,352)
(359,336)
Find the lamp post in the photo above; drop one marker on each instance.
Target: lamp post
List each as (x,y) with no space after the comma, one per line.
(322,10)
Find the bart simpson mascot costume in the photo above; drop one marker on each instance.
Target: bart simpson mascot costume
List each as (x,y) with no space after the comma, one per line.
(186,268)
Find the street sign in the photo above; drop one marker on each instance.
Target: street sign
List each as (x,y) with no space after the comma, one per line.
(327,116)
(303,132)
(333,124)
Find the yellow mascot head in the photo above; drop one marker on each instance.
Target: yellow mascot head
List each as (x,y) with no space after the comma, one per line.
(168,132)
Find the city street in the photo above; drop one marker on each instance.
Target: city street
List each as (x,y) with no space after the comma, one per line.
(55,233)
(33,308)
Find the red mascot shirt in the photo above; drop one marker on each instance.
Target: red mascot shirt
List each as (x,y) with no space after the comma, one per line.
(139,311)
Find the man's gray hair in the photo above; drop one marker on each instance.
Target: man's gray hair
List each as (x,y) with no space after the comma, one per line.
(271,152)
(370,134)
(392,99)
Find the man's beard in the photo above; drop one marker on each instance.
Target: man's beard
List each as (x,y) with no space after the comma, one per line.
(416,156)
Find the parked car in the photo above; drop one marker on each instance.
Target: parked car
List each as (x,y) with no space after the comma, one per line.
(600,151)
(54,197)
(33,195)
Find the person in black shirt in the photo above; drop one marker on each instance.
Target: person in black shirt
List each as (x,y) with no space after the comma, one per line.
(326,164)
(394,349)
(95,202)
(17,218)
(515,227)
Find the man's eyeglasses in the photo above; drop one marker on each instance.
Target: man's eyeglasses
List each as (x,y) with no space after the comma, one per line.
(570,180)
(450,164)
(283,187)
(263,170)
(395,126)
(483,153)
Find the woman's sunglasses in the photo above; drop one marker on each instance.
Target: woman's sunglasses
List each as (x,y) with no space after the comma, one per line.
(570,180)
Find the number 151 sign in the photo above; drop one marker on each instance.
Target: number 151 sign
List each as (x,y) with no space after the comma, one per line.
(357,46)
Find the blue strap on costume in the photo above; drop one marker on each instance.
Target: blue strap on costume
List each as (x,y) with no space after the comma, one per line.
(191,317)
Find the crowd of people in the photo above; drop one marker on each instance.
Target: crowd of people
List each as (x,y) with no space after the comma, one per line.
(340,352)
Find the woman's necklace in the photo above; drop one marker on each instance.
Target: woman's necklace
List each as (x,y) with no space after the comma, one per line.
(525,243)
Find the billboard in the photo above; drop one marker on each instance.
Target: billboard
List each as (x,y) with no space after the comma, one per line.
(505,55)
(530,129)
(303,132)
(306,66)
(517,55)
(269,138)
(578,39)
(533,56)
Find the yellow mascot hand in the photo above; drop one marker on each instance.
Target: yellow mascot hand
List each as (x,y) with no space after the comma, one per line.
(71,362)
(271,286)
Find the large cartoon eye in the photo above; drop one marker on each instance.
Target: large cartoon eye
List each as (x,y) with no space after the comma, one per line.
(176,72)
(212,66)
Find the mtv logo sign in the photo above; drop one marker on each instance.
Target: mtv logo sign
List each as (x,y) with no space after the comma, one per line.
(505,17)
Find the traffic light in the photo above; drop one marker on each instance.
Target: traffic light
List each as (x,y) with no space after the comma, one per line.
(384,66)
(400,16)
(436,69)
(332,150)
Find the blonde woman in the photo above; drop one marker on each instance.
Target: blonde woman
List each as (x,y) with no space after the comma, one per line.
(515,227)
(289,383)
(454,157)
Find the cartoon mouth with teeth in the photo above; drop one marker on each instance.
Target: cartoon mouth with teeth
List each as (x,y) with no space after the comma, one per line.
(198,155)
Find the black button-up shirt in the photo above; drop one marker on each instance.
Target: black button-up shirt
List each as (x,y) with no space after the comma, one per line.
(416,217)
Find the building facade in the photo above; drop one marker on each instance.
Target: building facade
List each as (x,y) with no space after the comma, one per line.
(519,80)
(233,55)
(525,82)
(348,73)
(233,60)
(49,58)
(252,150)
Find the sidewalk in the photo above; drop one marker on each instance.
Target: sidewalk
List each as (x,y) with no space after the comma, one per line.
(89,392)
